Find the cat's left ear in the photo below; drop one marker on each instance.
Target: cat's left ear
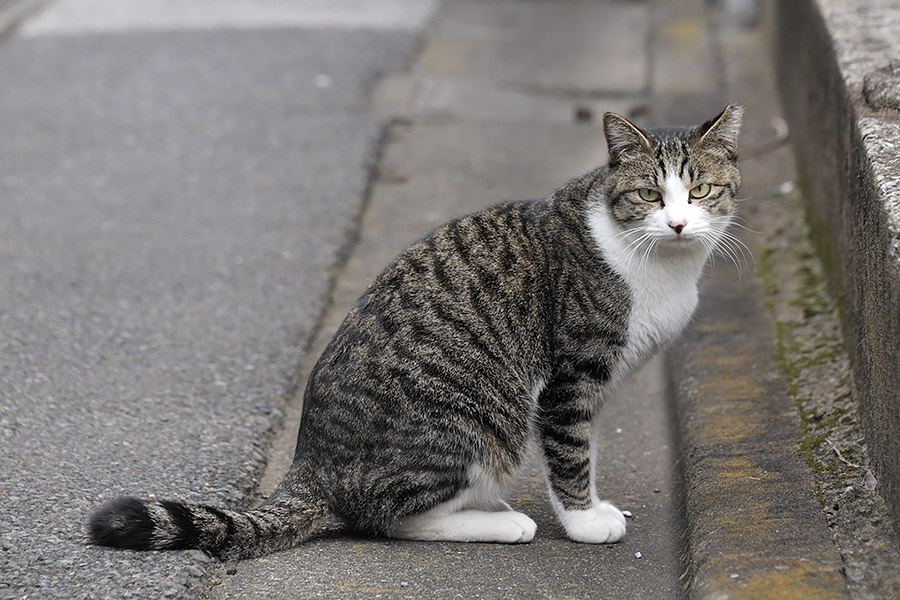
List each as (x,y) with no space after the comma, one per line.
(721,132)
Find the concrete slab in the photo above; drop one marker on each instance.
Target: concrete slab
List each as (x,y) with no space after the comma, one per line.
(755,529)
(686,74)
(440,98)
(588,47)
(685,58)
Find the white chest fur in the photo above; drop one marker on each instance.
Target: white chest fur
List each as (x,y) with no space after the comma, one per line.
(664,298)
(663,286)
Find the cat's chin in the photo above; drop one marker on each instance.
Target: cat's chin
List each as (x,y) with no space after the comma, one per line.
(682,243)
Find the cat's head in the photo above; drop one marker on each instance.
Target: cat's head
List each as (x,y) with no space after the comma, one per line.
(675,185)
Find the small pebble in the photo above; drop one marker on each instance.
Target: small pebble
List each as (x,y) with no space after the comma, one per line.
(404,583)
(637,554)
(627,513)
(786,188)
(322,81)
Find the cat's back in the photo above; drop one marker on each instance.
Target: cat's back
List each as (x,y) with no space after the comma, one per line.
(482,273)
(453,329)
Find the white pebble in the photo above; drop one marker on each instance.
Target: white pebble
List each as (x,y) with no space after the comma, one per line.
(637,554)
(786,188)
(322,80)
(626,513)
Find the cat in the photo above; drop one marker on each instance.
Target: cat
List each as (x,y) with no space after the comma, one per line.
(498,332)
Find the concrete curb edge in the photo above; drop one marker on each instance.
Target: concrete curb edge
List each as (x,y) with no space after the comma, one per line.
(753,526)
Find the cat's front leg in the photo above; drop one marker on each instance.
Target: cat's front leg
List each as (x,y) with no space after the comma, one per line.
(566,440)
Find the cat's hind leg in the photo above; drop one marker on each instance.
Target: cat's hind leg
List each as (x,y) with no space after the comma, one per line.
(504,527)
(477,514)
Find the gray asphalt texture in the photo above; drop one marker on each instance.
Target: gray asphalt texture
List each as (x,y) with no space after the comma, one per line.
(172,206)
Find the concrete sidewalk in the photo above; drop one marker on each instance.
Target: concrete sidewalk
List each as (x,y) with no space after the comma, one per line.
(485,114)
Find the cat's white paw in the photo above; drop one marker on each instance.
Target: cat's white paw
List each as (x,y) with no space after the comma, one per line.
(601,524)
(512,527)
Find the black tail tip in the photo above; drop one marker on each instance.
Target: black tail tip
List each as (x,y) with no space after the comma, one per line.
(122,523)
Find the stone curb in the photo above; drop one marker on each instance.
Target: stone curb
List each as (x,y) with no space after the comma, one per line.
(753,526)
(840,86)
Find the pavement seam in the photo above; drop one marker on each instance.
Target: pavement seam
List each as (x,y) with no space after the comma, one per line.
(14,13)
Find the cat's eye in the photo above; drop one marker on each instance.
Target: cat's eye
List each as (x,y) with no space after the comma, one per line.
(701,191)
(648,194)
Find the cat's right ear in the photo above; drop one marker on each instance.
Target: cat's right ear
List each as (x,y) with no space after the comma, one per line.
(624,139)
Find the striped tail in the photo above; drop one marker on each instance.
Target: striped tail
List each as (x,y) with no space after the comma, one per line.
(281,523)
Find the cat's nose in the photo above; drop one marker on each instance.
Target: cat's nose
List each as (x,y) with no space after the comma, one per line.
(678,225)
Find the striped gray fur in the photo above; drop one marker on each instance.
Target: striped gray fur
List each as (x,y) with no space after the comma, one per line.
(436,367)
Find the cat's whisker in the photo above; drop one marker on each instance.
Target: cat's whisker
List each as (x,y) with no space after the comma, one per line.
(635,245)
(627,232)
(646,256)
(739,246)
(732,248)
(648,238)
(727,252)
(711,242)
(736,221)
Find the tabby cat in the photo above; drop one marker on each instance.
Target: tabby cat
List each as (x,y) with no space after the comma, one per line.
(498,329)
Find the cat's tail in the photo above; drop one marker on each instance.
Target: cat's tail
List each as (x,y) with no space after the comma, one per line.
(280,523)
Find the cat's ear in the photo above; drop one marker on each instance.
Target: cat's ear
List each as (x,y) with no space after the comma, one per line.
(624,139)
(721,132)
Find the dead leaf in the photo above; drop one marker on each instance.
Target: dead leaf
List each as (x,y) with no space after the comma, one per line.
(869,481)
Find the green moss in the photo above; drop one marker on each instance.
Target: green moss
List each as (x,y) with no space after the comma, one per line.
(801,344)
(765,270)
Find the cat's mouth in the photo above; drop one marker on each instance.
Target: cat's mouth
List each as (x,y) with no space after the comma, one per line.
(686,240)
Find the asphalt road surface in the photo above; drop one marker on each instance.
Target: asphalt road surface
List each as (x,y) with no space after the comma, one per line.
(173,202)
